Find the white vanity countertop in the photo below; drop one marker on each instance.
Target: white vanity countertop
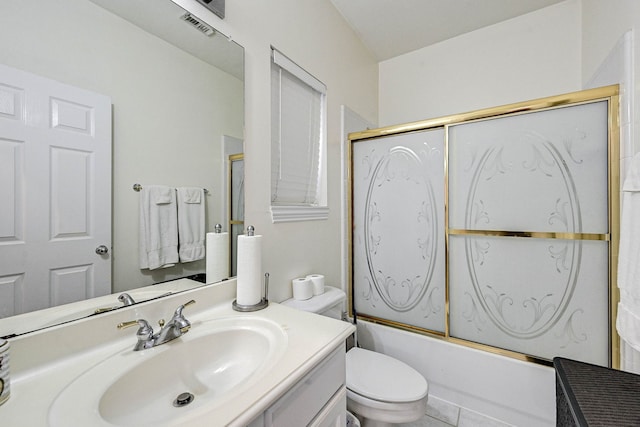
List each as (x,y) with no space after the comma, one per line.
(43,363)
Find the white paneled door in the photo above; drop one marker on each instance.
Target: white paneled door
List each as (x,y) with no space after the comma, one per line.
(55,193)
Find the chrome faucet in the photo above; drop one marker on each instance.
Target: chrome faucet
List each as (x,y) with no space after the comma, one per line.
(175,327)
(169,331)
(126,301)
(124,298)
(145,333)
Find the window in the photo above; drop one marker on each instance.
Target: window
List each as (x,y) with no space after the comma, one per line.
(298,143)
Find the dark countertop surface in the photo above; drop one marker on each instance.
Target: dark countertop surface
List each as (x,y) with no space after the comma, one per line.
(591,395)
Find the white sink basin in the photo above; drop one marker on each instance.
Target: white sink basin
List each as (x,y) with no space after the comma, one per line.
(215,361)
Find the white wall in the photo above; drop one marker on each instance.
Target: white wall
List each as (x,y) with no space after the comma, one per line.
(604,42)
(156,137)
(603,24)
(555,50)
(603,27)
(547,52)
(524,58)
(315,36)
(532,56)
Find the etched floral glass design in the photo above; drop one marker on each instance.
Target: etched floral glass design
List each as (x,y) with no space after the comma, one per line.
(398,229)
(541,297)
(538,172)
(528,233)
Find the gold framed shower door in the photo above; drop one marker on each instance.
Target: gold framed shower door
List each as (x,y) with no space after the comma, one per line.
(609,94)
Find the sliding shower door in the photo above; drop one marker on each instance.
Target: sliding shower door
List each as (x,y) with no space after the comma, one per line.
(496,229)
(398,247)
(528,231)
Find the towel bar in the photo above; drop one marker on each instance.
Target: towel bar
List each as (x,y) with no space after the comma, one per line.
(138,187)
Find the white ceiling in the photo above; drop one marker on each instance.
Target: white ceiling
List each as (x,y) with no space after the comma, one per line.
(393,27)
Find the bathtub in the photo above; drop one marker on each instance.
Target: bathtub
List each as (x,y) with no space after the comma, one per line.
(512,391)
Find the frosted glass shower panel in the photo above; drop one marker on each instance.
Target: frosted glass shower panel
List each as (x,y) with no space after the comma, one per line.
(529,230)
(539,297)
(543,171)
(495,229)
(398,228)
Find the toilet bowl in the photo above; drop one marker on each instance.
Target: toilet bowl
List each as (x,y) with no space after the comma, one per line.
(381,391)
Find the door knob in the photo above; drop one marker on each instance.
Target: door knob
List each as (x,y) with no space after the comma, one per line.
(102,250)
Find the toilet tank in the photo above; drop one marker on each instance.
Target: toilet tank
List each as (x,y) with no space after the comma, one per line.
(330,303)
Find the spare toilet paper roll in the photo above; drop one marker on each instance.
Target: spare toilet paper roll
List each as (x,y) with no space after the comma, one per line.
(249,279)
(302,288)
(318,283)
(217,267)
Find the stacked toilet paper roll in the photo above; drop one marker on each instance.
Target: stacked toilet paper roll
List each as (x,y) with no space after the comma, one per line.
(302,288)
(249,279)
(307,287)
(317,280)
(217,267)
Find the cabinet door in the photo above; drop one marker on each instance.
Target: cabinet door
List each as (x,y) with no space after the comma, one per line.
(302,404)
(258,422)
(335,413)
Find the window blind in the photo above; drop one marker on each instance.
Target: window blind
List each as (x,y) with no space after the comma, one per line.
(298,137)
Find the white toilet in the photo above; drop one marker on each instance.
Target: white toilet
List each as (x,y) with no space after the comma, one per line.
(381,390)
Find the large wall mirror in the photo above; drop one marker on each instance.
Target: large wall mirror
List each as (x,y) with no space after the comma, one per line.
(175,91)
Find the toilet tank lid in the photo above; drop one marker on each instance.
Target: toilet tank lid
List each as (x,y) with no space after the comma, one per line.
(318,303)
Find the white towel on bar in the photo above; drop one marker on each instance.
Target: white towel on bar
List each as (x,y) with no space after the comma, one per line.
(191,216)
(628,320)
(158,235)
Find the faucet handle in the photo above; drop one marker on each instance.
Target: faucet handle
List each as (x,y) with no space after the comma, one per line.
(130,323)
(179,320)
(182,307)
(145,330)
(144,334)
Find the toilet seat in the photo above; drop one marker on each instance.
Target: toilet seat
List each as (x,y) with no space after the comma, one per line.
(382,378)
(383,413)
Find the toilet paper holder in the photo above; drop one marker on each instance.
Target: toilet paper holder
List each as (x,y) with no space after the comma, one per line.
(264,302)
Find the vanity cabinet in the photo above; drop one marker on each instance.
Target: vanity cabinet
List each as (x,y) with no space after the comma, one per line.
(319,399)
(301,381)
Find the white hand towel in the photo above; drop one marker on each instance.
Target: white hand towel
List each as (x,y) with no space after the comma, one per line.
(629,255)
(628,325)
(192,195)
(628,321)
(162,195)
(632,180)
(158,234)
(191,216)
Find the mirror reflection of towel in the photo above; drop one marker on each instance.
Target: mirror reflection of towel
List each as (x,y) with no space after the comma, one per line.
(158,232)
(191,223)
(191,194)
(162,195)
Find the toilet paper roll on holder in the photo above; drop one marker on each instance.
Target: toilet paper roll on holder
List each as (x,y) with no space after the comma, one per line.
(264,302)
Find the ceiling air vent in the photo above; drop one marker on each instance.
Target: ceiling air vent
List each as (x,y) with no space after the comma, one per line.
(198,24)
